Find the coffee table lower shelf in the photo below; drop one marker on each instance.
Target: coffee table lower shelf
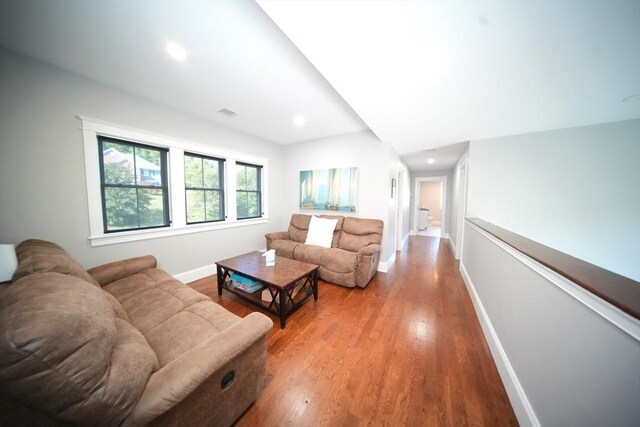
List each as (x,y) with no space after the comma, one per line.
(284,300)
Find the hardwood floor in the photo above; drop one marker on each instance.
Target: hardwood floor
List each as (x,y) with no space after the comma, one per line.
(407,350)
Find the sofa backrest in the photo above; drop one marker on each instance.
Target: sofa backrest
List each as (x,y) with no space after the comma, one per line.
(299,227)
(360,232)
(40,256)
(65,354)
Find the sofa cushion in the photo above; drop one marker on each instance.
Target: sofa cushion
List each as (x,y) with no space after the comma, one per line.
(172,316)
(358,233)
(298,227)
(39,256)
(339,260)
(188,328)
(309,254)
(118,309)
(64,353)
(332,259)
(152,296)
(284,248)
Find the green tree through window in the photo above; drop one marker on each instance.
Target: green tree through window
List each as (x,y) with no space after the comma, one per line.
(248,191)
(134,185)
(204,188)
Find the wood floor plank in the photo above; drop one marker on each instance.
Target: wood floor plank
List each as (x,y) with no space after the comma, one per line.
(407,350)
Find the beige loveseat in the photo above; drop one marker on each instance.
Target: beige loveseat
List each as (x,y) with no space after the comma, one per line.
(353,257)
(121,344)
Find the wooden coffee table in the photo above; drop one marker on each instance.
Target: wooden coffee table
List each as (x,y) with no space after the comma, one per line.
(289,282)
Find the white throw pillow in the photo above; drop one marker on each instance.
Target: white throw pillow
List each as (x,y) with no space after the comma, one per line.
(321,231)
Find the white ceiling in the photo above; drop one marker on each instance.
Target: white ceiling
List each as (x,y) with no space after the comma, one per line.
(424,74)
(420,74)
(445,157)
(237,59)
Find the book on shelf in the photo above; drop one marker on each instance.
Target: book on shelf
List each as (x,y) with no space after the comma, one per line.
(245,284)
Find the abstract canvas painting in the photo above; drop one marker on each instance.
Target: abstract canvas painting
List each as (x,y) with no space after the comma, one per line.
(329,189)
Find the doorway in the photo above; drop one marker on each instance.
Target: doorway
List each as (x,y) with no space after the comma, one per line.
(430,207)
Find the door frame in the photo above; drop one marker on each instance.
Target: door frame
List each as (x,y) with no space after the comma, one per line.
(402,172)
(445,200)
(463,175)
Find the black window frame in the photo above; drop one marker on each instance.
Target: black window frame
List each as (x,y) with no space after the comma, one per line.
(258,192)
(223,207)
(164,152)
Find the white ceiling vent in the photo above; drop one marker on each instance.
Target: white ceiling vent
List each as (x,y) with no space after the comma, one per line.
(227,112)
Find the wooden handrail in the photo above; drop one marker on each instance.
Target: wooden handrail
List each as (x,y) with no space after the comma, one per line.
(617,290)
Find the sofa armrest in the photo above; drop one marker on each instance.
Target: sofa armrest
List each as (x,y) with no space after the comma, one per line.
(367,264)
(108,273)
(171,384)
(369,250)
(278,235)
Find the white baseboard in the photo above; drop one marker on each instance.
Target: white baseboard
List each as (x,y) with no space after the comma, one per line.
(456,255)
(210,270)
(201,272)
(196,273)
(521,405)
(413,233)
(405,241)
(445,236)
(383,267)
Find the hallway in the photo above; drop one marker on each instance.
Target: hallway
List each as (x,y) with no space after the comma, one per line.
(406,350)
(432,231)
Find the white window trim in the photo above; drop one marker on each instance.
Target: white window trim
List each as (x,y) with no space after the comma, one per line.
(92,128)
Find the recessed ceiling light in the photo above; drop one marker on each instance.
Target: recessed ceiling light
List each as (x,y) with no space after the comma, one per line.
(176,51)
(299,121)
(431,160)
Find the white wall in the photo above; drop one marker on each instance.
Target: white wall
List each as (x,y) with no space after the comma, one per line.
(576,190)
(565,358)
(42,177)
(376,163)
(431,198)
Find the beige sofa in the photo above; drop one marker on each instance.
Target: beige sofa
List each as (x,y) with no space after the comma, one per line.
(121,344)
(353,257)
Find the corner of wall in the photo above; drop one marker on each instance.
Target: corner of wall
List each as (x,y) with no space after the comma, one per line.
(385,266)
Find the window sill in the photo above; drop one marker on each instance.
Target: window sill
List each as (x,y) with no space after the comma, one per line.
(132,236)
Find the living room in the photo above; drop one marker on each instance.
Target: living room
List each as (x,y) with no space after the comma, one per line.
(47,108)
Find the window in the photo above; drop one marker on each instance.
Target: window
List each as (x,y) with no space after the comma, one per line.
(248,191)
(143,185)
(133,181)
(204,188)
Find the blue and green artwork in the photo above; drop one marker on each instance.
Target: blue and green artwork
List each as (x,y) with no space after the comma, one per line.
(329,189)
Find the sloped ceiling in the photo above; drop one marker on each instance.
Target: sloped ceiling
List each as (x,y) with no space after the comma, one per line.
(236,59)
(424,74)
(419,74)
